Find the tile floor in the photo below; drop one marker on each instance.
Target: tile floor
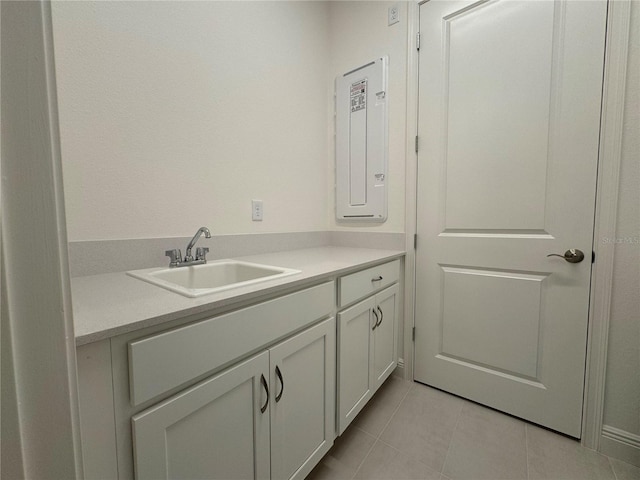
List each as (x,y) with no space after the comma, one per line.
(411,431)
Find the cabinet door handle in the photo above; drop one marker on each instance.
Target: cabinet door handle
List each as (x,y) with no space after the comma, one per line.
(266,389)
(377,279)
(279,374)
(381,315)
(375,325)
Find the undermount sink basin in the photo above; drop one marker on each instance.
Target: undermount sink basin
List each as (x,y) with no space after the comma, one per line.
(212,277)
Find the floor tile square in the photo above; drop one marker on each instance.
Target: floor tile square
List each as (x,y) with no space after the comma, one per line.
(624,471)
(344,458)
(373,418)
(387,463)
(554,456)
(423,424)
(487,445)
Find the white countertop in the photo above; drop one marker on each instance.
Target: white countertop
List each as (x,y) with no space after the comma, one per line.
(114,303)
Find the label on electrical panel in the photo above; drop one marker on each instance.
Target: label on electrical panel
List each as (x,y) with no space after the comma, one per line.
(359,95)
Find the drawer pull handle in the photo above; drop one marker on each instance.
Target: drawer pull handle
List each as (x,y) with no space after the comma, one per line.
(375,325)
(377,279)
(266,389)
(279,374)
(381,315)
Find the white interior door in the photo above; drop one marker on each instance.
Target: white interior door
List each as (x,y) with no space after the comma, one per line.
(509,111)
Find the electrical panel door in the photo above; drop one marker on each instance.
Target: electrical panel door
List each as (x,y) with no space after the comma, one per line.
(361,143)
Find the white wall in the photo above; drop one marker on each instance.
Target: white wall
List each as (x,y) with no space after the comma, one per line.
(175,115)
(622,397)
(359,33)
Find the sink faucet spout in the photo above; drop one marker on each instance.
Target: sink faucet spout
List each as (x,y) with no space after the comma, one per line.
(201,230)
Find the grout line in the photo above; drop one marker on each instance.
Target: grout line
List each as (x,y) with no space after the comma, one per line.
(453,432)
(364,459)
(381,432)
(354,428)
(361,430)
(394,412)
(526,447)
(615,475)
(410,456)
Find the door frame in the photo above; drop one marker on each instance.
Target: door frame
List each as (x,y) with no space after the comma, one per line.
(38,341)
(611,130)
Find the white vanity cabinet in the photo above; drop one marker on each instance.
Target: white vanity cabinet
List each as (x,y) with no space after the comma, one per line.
(367,337)
(257,389)
(271,416)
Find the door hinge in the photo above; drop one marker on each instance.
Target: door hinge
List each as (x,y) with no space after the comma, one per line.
(418,41)
(415,241)
(413,334)
(416,143)
(593,256)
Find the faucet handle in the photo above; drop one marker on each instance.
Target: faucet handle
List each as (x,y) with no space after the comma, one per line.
(201,253)
(175,255)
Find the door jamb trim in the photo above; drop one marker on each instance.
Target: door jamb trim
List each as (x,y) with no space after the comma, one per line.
(611,131)
(411,170)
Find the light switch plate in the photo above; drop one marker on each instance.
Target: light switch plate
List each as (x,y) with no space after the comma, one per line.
(256,210)
(394,14)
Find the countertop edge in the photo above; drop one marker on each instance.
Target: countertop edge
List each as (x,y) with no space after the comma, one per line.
(241,299)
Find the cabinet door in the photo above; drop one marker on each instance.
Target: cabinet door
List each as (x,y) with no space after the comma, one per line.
(214,430)
(302,400)
(385,339)
(355,382)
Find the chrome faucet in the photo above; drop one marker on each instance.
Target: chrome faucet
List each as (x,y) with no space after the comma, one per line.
(207,234)
(201,252)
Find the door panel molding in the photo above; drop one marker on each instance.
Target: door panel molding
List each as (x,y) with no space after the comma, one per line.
(496,233)
(493,371)
(475,318)
(468,148)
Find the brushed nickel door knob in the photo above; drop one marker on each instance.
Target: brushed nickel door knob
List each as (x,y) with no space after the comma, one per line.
(573,255)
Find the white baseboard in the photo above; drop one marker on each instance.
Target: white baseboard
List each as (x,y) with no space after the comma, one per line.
(620,444)
(400,370)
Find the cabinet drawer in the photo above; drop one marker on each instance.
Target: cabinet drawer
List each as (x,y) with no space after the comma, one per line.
(162,362)
(360,284)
